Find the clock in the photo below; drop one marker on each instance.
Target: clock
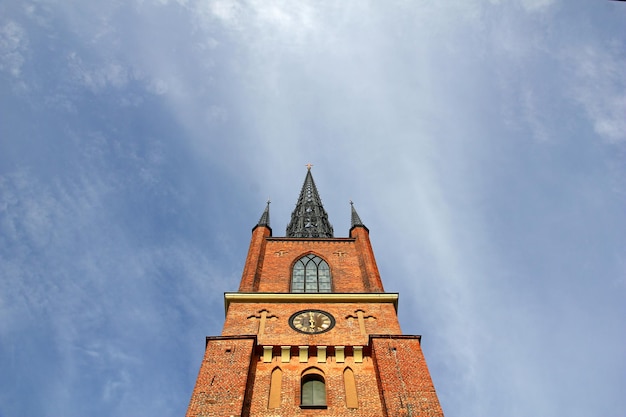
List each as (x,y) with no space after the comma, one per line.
(312,321)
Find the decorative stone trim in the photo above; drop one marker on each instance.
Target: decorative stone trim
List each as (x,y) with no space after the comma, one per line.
(340,354)
(260,297)
(285,354)
(321,354)
(358,354)
(304,354)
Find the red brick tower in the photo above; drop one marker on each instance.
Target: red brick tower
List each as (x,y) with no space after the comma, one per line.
(311,331)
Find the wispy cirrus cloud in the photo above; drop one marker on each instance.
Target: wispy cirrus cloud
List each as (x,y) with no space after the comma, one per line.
(598,85)
(465,131)
(73,271)
(13,47)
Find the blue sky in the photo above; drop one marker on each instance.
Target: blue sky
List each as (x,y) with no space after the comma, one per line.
(483,143)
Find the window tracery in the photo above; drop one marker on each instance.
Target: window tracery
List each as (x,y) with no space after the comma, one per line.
(310,274)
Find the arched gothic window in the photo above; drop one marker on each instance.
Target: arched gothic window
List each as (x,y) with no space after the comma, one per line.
(313,391)
(310,274)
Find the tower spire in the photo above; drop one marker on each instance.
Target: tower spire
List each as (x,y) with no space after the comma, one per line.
(309,219)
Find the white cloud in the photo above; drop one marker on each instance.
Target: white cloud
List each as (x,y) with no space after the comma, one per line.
(537,5)
(216,114)
(533,116)
(70,265)
(599,85)
(13,46)
(528,5)
(97,77)
(395,106)
(258,16)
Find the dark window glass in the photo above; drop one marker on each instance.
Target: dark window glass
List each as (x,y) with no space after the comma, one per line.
(313,391)
(297,280)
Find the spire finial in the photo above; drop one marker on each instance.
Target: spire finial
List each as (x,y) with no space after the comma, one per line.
(308,166)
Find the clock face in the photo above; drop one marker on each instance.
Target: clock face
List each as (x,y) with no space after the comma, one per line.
(312,321)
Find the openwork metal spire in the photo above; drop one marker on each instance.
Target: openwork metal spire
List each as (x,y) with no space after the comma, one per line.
(355,220)
(309,219)
(265,217)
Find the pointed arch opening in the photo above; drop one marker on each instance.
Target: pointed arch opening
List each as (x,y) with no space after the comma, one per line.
(313,389)
(311,273)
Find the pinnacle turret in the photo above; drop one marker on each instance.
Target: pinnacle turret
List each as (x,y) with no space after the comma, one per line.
(355,219)
(265,217)
(309,219)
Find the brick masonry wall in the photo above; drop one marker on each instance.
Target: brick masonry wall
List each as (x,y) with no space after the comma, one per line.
(254,260)
(369,404)
(364,247)
(270,260)
(244,318)
(403,377)
(392,378)
(224,375)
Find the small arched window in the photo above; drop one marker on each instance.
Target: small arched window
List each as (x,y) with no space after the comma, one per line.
(310,274)
(313,391)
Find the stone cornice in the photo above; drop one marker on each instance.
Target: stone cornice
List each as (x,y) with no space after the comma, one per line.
(266,297)
(310,239)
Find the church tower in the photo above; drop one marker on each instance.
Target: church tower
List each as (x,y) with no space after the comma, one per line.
(311,331)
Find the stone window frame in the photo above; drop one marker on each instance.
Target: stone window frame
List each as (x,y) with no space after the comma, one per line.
(308,376)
